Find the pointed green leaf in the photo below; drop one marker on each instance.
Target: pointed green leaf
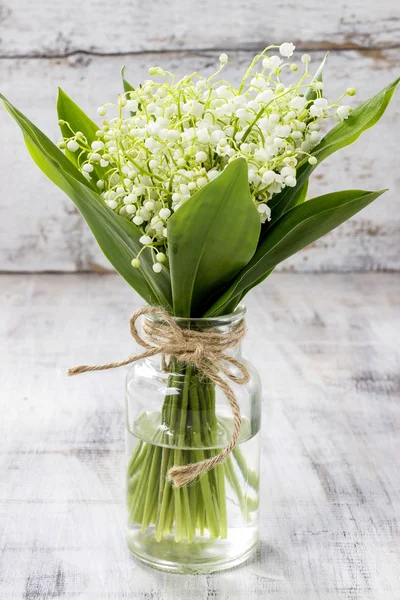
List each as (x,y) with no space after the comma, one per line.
(117,237)
(300,194)
(78,121)
(297,228)
(211,237)
(343,134)
(310,92)
(127,86)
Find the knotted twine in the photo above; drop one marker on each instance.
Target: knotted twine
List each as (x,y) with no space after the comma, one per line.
(203,349)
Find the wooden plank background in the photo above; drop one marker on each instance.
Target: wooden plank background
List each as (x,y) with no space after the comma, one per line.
(81,47)
(326,347)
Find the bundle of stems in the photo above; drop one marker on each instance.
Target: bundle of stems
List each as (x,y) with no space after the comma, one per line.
(189,432)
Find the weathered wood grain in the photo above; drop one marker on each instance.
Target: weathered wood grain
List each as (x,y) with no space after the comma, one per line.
(59,28)
(39,229)
(327,348)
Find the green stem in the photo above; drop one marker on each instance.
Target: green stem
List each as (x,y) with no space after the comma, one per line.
(152,488)
(206,479)
(234,483)
(189,434)
(222,501)
(131,469)
(166,501)
(249,475)
(180,494)
(137,501)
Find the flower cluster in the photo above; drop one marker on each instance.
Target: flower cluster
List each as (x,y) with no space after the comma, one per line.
(169,139)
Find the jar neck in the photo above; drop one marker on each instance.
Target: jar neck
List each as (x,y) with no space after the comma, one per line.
(225,325)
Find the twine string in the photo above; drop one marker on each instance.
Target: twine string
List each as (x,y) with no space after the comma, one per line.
(206,350)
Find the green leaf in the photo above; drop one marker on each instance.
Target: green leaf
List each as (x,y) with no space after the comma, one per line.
(343,134)
(127,86)
(310,92)
(211,237)
(297,228)
(300,194)
(71,113)
(117,237)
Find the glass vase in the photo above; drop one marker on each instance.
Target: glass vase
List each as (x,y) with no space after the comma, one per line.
(175,416)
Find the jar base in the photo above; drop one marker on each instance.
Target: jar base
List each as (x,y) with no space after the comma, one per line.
(202,555)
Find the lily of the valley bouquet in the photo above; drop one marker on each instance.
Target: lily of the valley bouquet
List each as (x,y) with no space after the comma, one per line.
(195,190)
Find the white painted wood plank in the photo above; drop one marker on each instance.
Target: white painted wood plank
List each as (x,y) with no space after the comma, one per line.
(39,229)
(57,27)
(327,348)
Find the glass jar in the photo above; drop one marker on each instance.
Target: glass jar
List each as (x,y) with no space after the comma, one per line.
(176,416)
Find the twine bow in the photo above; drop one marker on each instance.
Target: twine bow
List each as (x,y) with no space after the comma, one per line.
(203,349)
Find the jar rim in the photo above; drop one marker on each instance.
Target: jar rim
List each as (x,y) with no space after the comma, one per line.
(228,319)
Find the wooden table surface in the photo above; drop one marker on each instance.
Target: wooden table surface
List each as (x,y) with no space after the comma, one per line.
(328,349)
